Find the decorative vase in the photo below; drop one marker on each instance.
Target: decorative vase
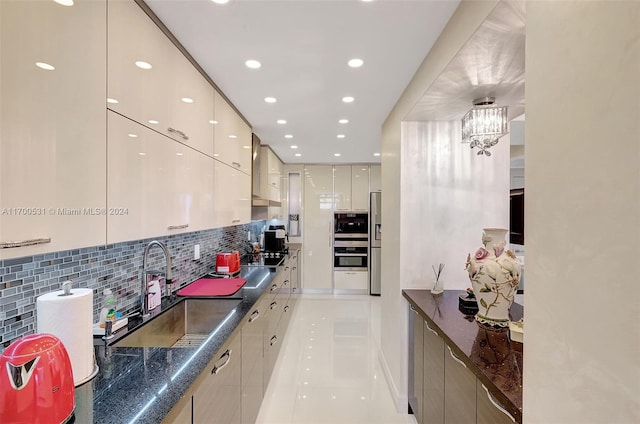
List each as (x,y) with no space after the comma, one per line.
(494,275)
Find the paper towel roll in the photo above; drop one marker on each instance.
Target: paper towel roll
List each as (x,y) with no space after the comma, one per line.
(70,318)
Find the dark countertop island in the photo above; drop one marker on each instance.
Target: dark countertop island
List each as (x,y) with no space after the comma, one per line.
(488,352)
(142,385)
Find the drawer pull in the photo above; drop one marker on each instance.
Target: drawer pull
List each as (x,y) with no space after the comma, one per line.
(273,305)
(227,357)
(180,133)
(286,308)
(235,221)
(177,227)
(273,287)
(431,329)
(413,309)
(23,243)
(254,316)
(236,164)
(456,358)
(497,405)
(273,340)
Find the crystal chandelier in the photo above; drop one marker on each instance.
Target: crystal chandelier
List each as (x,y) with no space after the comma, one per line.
(483,125)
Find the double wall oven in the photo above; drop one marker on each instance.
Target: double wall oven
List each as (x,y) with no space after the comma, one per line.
(350,241)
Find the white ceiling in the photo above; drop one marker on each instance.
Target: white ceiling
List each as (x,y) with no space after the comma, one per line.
(304,46)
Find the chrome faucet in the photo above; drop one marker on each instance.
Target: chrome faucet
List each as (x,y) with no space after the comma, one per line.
(145,272)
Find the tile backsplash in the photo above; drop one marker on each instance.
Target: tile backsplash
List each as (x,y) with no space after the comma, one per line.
(116,266)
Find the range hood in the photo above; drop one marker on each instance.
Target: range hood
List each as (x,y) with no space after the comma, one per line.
(257,200)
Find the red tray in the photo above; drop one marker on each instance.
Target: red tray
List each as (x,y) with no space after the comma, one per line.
(206,287)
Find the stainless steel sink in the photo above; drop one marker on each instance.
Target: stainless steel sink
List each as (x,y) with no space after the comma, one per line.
(186,324)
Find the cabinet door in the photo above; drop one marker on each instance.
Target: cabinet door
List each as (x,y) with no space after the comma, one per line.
(318,227)
(433,383)
(490,411)
(375,178)
(182,416)
(151,82)
(295,272)
(52,126)
(232,203)
(360,188)
(353,281)
(270,175)
(232,137)
(253,331)
(218,398)
(416,358)
(342,187)
(459,391)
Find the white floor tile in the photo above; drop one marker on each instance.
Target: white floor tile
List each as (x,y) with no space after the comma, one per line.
(328,370)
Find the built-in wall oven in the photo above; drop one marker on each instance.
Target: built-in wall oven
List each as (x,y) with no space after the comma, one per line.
(350,241)
(349,225)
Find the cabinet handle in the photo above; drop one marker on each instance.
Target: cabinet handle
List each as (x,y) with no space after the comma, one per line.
(177,227)
(236,164)
(286,308)
(23,243)
(180,133)
(285,282)
(273,287)
(254,316)
(273,340)
(455,357)
(235,221)
(413,309)
(497,405)
(431,329)
(273,305)
(293,288)
(286,268)
(227,356)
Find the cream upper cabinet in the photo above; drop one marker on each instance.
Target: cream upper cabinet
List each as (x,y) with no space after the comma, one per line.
(360,188)
(232,203)
(342,187)
(232,137)
(52,126)
(153,83)
(375,178)
(318,228)
(271,173)
(155,185)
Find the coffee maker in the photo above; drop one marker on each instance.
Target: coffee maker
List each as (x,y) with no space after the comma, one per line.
(274,238)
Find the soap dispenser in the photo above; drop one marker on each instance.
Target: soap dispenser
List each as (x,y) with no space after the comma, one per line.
(108,312)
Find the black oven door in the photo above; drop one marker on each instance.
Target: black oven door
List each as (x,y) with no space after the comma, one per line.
(350,256)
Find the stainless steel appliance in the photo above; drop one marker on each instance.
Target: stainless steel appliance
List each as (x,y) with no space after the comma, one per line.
(375,242)
(350,225)
(350,255)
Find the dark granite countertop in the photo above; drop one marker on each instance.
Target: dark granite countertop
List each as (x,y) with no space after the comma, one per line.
(143,384)
(488,352)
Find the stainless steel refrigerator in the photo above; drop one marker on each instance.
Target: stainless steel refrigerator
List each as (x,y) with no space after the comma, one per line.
(375,240)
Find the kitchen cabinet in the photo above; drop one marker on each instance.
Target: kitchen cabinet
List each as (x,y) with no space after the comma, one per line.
(351,187)
(375,178)
(253,330)
(433,381)
(232,203)
(294,264)
(155,185)
(219,396)
(351,281)
(273,336)
(52,126)
(153,83)
(233,138)
(181,414)
(416,358)
(459,391)
(318,228)
(490,411)
(271,173)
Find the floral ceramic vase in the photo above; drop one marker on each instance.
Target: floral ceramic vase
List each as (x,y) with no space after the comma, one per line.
(494,275)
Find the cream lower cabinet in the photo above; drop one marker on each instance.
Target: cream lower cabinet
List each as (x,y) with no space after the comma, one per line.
(218,398)
(52,126)
(351,281)
(232,204)
(253,330)
(155,185)
(459,391)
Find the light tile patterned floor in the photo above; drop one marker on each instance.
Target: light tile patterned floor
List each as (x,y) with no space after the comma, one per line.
(328,369)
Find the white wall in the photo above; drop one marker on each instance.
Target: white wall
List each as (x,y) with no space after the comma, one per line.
(582,332)
(466,19)
(448,195)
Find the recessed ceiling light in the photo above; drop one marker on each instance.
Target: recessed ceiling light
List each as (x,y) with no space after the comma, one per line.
(294,146)
(340,136)
(246,147)
(213,121)
(348,99)
(142,154)
(45,66)
(132,135)
(281,121)
(253,64)
(220,1)
(143,65)
(187,99)
(153,121)
(112,101)
(215,155)
(233,136)
(376,154)
(343,121)
(270,99)
(355,63)
(179,154)
(288,136)
(298,154)
(64,2)
(336,154)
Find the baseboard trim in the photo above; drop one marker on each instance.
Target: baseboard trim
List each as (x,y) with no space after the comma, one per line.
(401,402)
